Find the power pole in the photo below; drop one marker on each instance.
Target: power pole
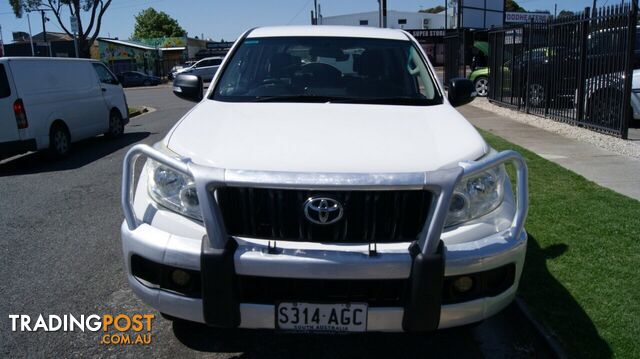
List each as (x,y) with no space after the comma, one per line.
(446,12)
(382,13)
(75,29)
(1,43)
(315,11)
(44,27)
(33,51)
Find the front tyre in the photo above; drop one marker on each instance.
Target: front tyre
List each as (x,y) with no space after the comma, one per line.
(116,125)
(482,86)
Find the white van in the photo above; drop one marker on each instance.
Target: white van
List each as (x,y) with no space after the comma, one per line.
(47,103)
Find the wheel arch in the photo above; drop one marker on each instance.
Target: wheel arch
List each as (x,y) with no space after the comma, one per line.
(59,122)
(117,110)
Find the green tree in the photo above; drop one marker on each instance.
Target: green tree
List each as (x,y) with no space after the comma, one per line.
(87,34)
(565,13)
(433,10)
(513,6)
(151,23)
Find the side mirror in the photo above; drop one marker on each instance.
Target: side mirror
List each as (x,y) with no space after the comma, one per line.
(188,87)
(461,91)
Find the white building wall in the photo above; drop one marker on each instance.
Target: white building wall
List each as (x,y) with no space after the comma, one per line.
(395,20)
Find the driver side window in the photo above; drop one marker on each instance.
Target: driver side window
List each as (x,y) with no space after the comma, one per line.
(105,75)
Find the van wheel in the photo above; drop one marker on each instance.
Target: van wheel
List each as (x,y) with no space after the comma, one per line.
(116,126)
(146,83)
(59,141)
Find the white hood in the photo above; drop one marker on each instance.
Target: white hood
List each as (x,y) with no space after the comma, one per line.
(325,137)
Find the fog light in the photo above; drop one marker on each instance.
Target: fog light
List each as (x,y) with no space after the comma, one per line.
(463,284)
(180,277)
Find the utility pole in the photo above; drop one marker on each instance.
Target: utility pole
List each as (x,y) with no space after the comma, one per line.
(33,51)
(382,11)
(44,27)
(1,43)
(446,12)
(555,10)
(75,29)
(315,11)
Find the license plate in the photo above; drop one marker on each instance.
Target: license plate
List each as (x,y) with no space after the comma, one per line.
(310,317)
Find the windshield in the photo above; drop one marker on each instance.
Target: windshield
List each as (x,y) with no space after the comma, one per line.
(327,69)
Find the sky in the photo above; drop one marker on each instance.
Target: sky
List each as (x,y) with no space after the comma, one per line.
(224,19)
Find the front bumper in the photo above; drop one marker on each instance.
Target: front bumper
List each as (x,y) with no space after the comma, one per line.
(163,247)
(220,259)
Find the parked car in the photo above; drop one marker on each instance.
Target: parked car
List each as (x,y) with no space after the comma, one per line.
(635,95)
(480,79)
(204,68)
(136,78)
(300,196)
(176,68)
(48,103)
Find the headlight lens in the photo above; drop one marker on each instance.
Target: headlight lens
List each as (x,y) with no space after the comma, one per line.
(476,196)
(173,190)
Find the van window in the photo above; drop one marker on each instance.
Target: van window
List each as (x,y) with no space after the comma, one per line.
(5,90)
(105,75)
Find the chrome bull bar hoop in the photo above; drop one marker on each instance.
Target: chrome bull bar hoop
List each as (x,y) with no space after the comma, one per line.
(440,182)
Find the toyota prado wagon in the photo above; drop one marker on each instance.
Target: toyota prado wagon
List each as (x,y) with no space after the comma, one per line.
(324,182)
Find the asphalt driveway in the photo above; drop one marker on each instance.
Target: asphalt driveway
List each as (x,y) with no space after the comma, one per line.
(60,253)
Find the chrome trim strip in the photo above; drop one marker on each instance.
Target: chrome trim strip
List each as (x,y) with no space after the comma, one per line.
(441,183)
(314,181)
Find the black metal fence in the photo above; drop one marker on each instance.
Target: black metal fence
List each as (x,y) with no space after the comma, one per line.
(575,69)
(454,64)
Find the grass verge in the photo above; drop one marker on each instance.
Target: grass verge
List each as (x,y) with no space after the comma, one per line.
(135,111)
(581,275)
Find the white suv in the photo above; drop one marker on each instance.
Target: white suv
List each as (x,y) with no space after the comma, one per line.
(204,68)
(325,183)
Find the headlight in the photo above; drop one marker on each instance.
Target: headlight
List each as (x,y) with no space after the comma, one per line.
(173,190)
(476,196)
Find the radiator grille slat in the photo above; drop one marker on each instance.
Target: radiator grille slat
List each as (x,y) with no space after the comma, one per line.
(377,293)
(369,216)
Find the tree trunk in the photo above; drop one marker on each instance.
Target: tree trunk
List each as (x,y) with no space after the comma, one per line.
(84,48)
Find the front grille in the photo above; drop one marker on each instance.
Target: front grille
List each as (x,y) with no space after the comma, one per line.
(369,216)
(375,292)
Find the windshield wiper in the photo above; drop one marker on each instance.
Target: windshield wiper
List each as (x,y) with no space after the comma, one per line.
(295,98)
(389,100)
(357,100)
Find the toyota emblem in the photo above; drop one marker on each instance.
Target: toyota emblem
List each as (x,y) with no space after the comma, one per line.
(323,210)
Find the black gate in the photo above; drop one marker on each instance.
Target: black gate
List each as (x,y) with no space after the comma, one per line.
(575,69)
(454,59)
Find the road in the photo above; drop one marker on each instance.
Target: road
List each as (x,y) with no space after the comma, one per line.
(60,253)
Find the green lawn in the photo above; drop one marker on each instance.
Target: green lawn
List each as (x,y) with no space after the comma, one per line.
(134,111)
(582,272)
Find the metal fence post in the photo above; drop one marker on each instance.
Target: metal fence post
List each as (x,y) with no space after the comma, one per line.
(512,71)
(584,33)
(547,71)
(628,69)
(528,50)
